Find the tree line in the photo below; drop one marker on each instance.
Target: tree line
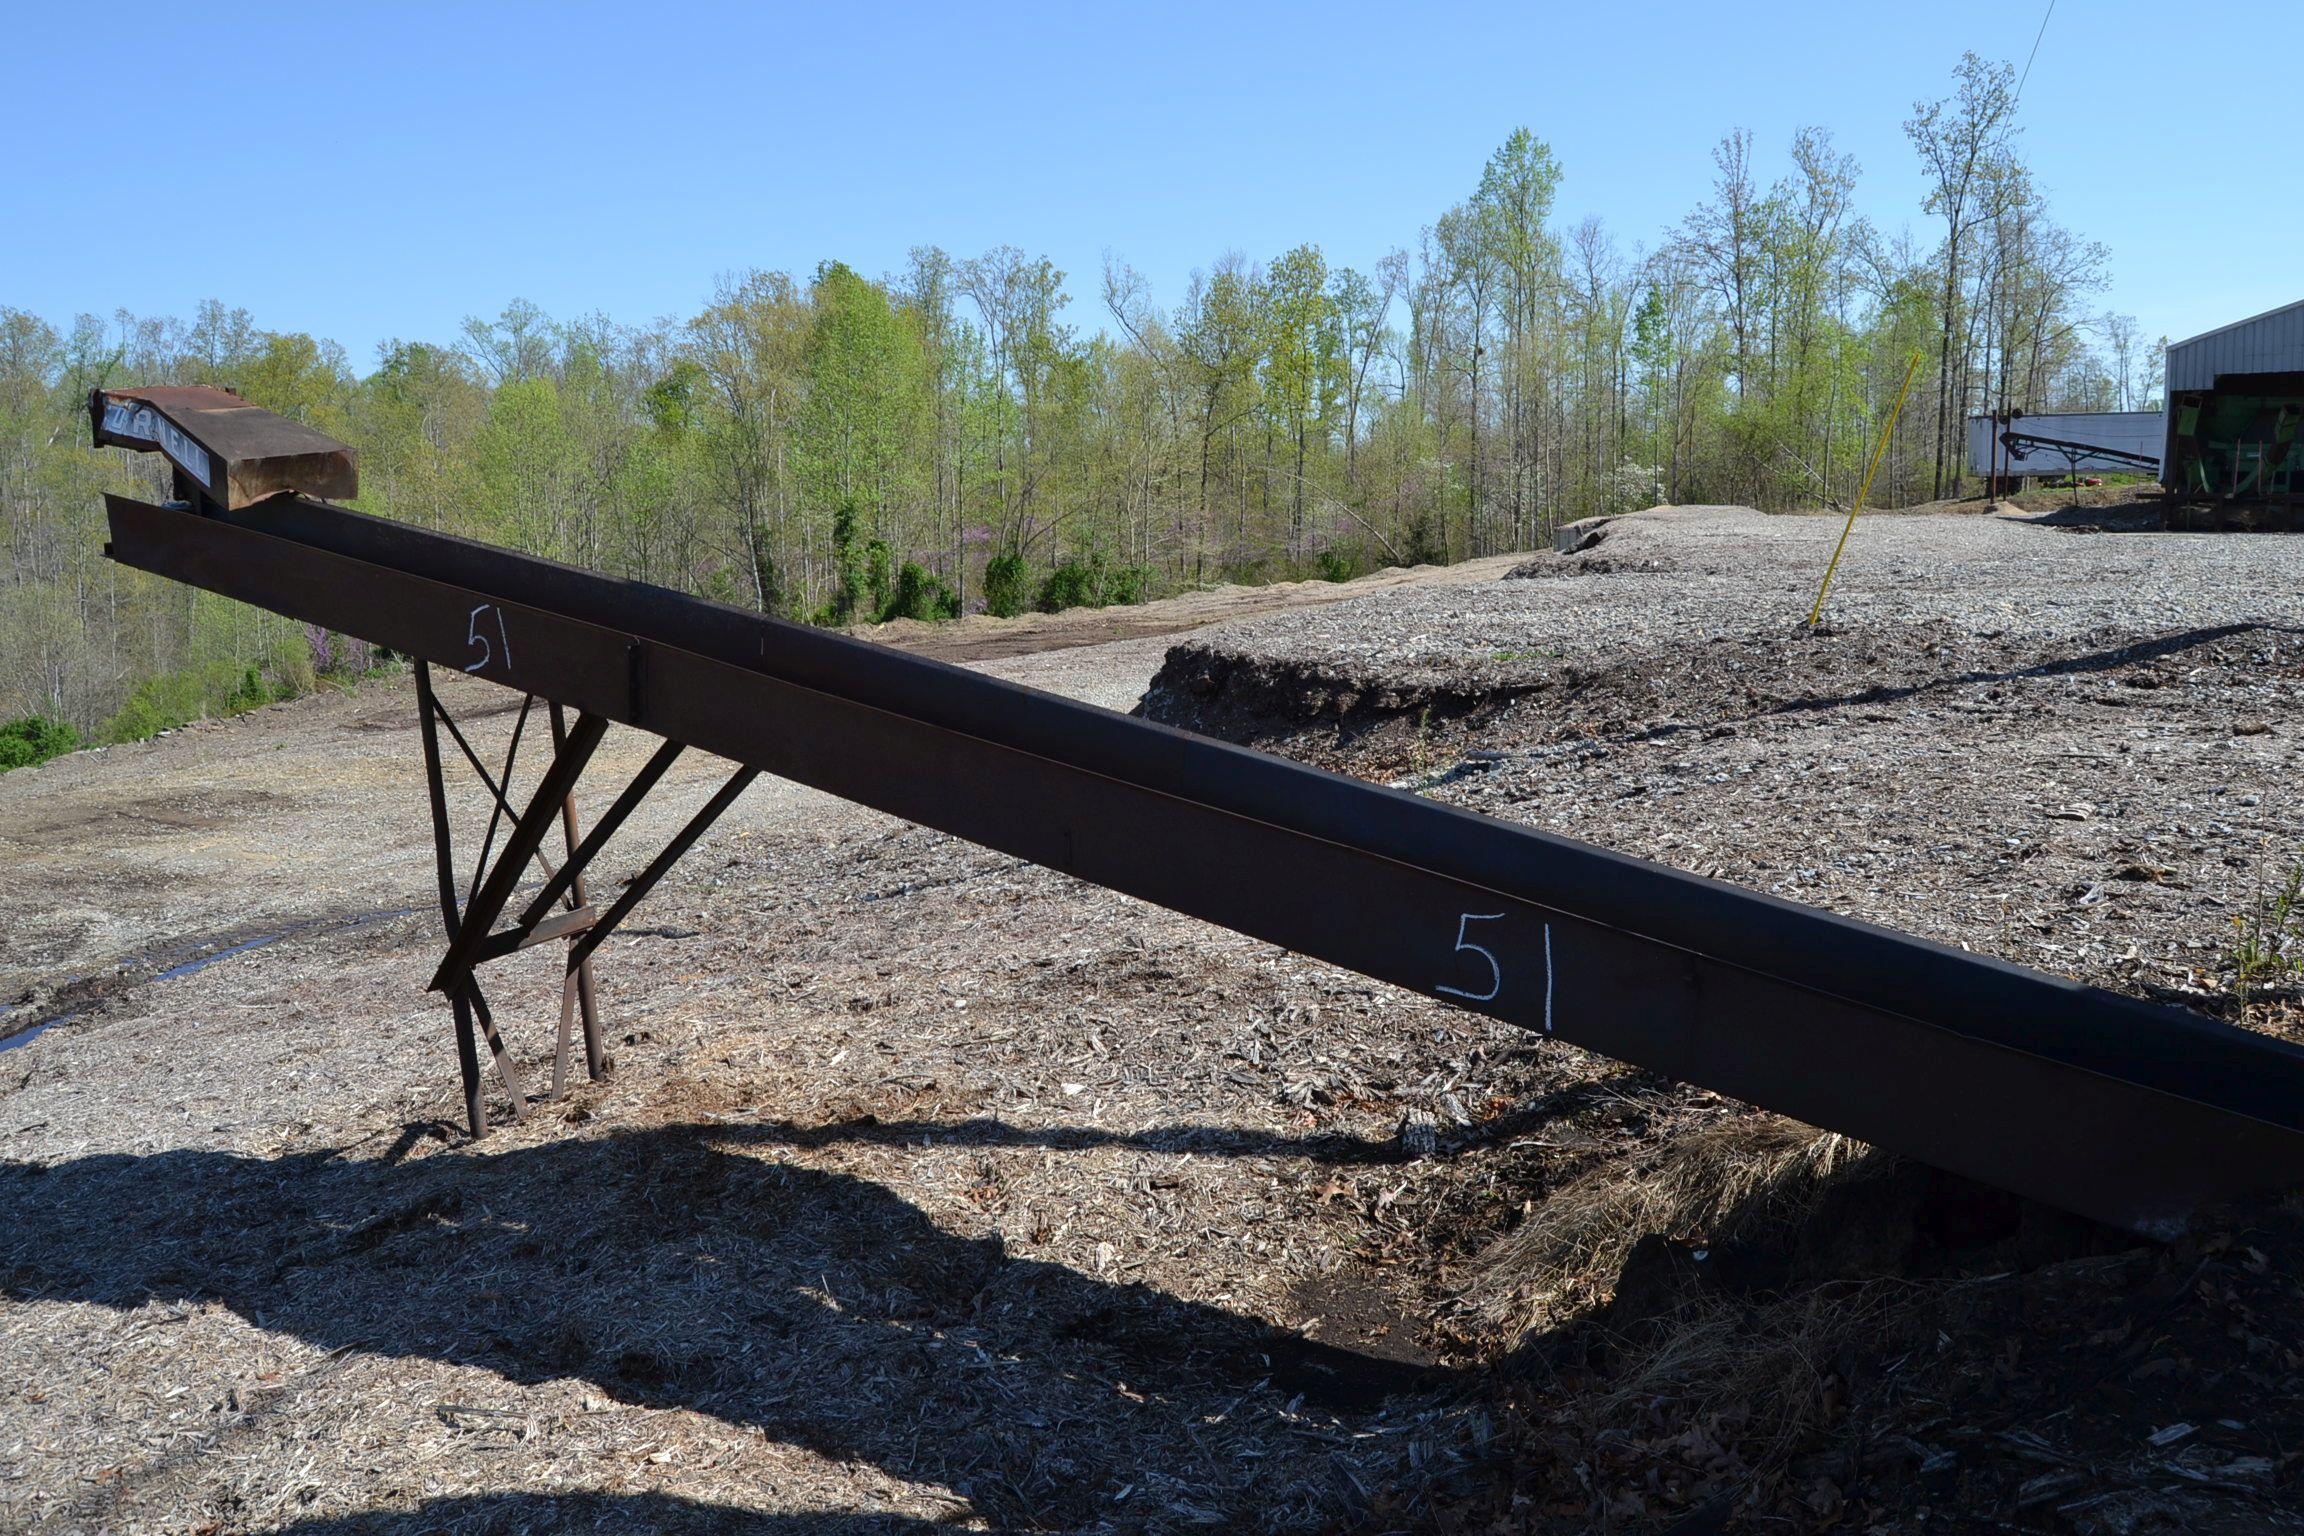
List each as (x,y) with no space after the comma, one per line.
(952,438)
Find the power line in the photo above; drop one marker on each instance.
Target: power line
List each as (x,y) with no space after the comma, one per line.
(2035,53)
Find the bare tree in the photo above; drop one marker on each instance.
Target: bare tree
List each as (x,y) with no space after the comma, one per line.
(1959,138)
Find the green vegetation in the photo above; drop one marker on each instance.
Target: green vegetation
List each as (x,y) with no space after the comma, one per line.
(177,698)
(1090,583)
(30,739)
(300,659)
(1007,585)
(2268,951)
(955,436)
(919,595)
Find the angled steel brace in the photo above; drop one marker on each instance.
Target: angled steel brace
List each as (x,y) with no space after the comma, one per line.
(659,866)
(527,833)
(500,809)
(506,1069)
(570,879)
(487,779)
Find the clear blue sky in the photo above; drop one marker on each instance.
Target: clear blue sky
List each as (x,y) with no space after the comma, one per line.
(368,172)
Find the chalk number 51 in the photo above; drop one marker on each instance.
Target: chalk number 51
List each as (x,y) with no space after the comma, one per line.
(1465,946)
(475,638)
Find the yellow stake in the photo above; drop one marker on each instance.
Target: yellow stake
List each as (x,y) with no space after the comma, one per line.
(1816,617)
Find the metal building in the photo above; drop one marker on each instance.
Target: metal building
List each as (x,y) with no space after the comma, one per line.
(2235,401)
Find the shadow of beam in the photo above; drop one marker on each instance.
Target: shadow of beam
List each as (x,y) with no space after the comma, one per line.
(2107,659)
(600,1514)
(678,1268)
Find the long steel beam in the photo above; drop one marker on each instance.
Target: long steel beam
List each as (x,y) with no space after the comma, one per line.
(2121,1110)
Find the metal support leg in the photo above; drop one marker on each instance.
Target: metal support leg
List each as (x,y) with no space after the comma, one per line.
(467,917)
(467,1051)
(580,975)
(561,1038)
(468,1062)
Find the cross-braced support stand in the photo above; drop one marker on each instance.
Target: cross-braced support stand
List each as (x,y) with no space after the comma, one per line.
(470,917)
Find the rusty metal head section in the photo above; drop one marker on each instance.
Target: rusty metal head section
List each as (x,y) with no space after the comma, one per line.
(235,453)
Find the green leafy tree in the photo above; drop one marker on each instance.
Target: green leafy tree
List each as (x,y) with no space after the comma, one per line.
(1007,585)
(1303,364)
(862,427)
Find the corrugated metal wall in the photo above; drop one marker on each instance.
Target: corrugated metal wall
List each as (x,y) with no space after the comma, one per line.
(2272,343)
(2268,343)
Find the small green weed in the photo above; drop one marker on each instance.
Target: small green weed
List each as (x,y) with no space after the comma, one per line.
(2268,948)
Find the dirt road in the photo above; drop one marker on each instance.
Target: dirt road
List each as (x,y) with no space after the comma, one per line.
(932,1187)
(136,858)
(983,638)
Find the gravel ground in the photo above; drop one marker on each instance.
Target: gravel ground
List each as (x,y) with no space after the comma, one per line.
(2067,747)
(936,1191)
(933,1188)
(2035,737)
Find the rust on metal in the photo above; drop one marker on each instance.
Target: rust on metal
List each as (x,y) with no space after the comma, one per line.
(234,452)
(561,925)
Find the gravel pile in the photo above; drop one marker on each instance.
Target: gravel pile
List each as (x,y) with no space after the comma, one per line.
(2068,748)
(2049,741)
(1657,582)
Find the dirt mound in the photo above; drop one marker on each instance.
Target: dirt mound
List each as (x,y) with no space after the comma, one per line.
(1554,567)
(1262,701)
(2068,752)
(2121,496)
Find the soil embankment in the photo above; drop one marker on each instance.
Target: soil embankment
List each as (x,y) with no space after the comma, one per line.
(2065,741)
(2068,748)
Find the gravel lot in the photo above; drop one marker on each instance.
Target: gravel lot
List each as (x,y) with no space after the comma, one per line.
(933,1188)
(2060,739)
(936,1191)
(2067,747)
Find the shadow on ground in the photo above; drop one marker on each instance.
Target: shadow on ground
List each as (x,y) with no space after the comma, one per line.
(520,1514)
(687,1268)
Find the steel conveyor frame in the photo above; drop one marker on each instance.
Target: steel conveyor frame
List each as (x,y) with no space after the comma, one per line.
(2122,1110)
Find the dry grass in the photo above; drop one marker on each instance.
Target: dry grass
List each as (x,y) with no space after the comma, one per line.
(1765,1378)
(1743,1179)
